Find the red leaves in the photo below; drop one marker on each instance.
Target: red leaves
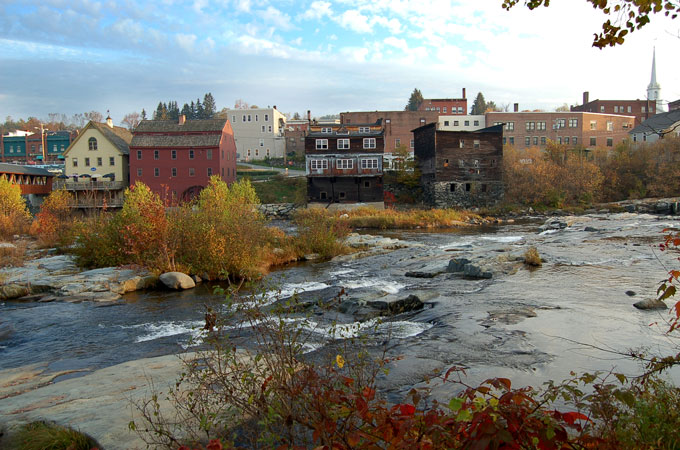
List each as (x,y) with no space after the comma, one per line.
(572,417)
(406,409)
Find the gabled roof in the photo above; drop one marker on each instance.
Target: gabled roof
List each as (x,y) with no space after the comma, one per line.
(657,123)
(119,137)
(171,126)
(175,140)
(24,170)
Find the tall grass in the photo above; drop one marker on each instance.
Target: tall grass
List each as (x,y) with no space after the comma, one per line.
(50,436)
(394,219)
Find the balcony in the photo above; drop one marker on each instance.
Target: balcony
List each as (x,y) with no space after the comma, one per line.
(90,185)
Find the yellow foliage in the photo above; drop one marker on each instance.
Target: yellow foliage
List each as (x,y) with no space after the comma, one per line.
(14,215)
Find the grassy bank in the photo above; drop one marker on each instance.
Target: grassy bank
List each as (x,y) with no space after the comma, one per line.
(280,189)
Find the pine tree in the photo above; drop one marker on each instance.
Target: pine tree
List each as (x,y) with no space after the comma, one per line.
(187,112)
(479,105)
(200,112)
(173,110)
(158,114)
(414,101)
(209,106)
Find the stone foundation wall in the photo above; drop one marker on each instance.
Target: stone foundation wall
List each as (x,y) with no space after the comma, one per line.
(279,210)
(467,194)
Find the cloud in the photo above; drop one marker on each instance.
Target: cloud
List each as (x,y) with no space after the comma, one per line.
(277,18)
(317,10)
(353,20)
(186,41)
(396,42)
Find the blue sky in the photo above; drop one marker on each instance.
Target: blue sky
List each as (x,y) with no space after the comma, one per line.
(71,56)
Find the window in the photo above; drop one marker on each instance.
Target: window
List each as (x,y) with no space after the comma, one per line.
(87,162)
(75,162)
(461,143)
(543,140)
(343,144)
(504,140)
(444,109)
(574,140)
(593,141)
(192,172)
(322,144)
(397,142)
(446,123)
(452,187)
(593,125)
(460,110)
(156,172)
(630,109)
(99,162)
(412,143)
(316,164)
(437,108)
(468,187)
(248,152)
(573,123)
(208,154)
(610,142)
(456,123)
(257,117)
(476,123)
(266,117)
(566,139)
(139,154)
(257,152)
(610,126)
(386,121)
(173,154)
(323,195)
(559,140)
(561,123)
(530,126)
(269,128)
(54,148)
(155,154)
(369,163)
(369,143)
(173,171)
(342,195)
(210,168)
(475,143)
(139,171)
(92,143)
(510,126)
(344,164)
(616,109)
(367,184)
(512,140)
(527,140)
(364,129)
(263,128)
(244,117)
(540,125)
(261,142)
(112,161)
(535,140)
(191,154)
(446,163)
(249,118)
(644,109)
(233,118)
(326,130)
(32,147)
(602,109)
(467,123)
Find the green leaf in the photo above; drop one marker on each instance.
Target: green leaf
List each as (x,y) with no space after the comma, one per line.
(464,416)
(455,404)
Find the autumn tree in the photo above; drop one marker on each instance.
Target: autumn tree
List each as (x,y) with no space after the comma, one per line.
(625,16)
(14,215)
(479,105)
(563,108)
(94,116)
(240,104)
(414,101)
(131,120)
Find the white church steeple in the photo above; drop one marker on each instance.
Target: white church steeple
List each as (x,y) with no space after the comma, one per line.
(654,88)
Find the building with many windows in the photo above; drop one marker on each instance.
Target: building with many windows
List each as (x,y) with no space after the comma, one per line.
(344,164)
(22,147)
(444,106)
(460,168)
(462,123)
(259,133)
(177,159)
(657,127)
(575,129)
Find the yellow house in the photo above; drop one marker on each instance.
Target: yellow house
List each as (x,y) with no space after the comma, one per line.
(96,165)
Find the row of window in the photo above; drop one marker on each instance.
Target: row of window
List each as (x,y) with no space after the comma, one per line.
(343,144)
(55,148)
(465,123)
(257,152)
(249,118)
(100,162)
(322,163)
(173,154)
(173,171)
(628,109)
(454,109)
(567,140)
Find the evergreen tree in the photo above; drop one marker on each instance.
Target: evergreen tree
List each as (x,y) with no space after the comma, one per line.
(187,112)
(158,114)
(209,106)
(143,114)
(173,110)
(200,112)
(479,105)
(193,110)
(414,101)
(296,116)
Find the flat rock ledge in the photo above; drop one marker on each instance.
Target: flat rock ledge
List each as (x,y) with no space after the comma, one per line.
(58,278)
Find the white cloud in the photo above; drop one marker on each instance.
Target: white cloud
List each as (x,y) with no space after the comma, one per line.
(317,10)
(396,42)
(277,18)
(186,41)
(353,20)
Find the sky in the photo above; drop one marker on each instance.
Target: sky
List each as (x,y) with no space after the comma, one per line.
(73,56)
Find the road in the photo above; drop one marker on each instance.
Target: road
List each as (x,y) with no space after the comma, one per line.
(289,172)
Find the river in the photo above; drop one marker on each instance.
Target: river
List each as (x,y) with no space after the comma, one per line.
(528,325)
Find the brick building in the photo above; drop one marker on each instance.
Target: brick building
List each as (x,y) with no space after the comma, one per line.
(460,168)
(344,164)
(640,109)
(178,158)
(576,129)
(449,106)
(27,148)
(295,132)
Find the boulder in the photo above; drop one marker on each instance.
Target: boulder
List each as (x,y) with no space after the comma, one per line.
(387,307)
(177,280)
(416,274)
(134,284)
(196,279)
(12,291)
(590,229)
(457,265)
(630,293)
(650,304)
(629,208)
(465,267)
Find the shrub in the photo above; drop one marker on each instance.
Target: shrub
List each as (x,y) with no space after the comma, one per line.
(532,258)
(14,215)
(13,256)
(320,232)
(50,436)
(52,225)
(98,242)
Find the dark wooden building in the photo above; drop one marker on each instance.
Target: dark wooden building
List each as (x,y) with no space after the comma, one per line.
(460,168)
(344,163)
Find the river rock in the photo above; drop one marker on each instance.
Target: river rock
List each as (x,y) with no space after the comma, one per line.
(590,229)
(311,257)
(416,274)
(177,280)
(196,279)
(468,269)
(553,224)
(650,304)
(12,291)
(391,306)
(135,283)
(457,265)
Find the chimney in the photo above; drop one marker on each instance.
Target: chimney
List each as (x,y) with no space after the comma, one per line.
(516,107)
(463,92)
(274,106)
(182,119)
(109,122)
(309,116)
(586,96)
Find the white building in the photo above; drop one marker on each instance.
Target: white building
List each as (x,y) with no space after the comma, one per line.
(461,123)
(657,127)
(258,133)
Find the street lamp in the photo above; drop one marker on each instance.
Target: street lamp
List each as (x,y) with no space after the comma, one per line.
(42,141)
